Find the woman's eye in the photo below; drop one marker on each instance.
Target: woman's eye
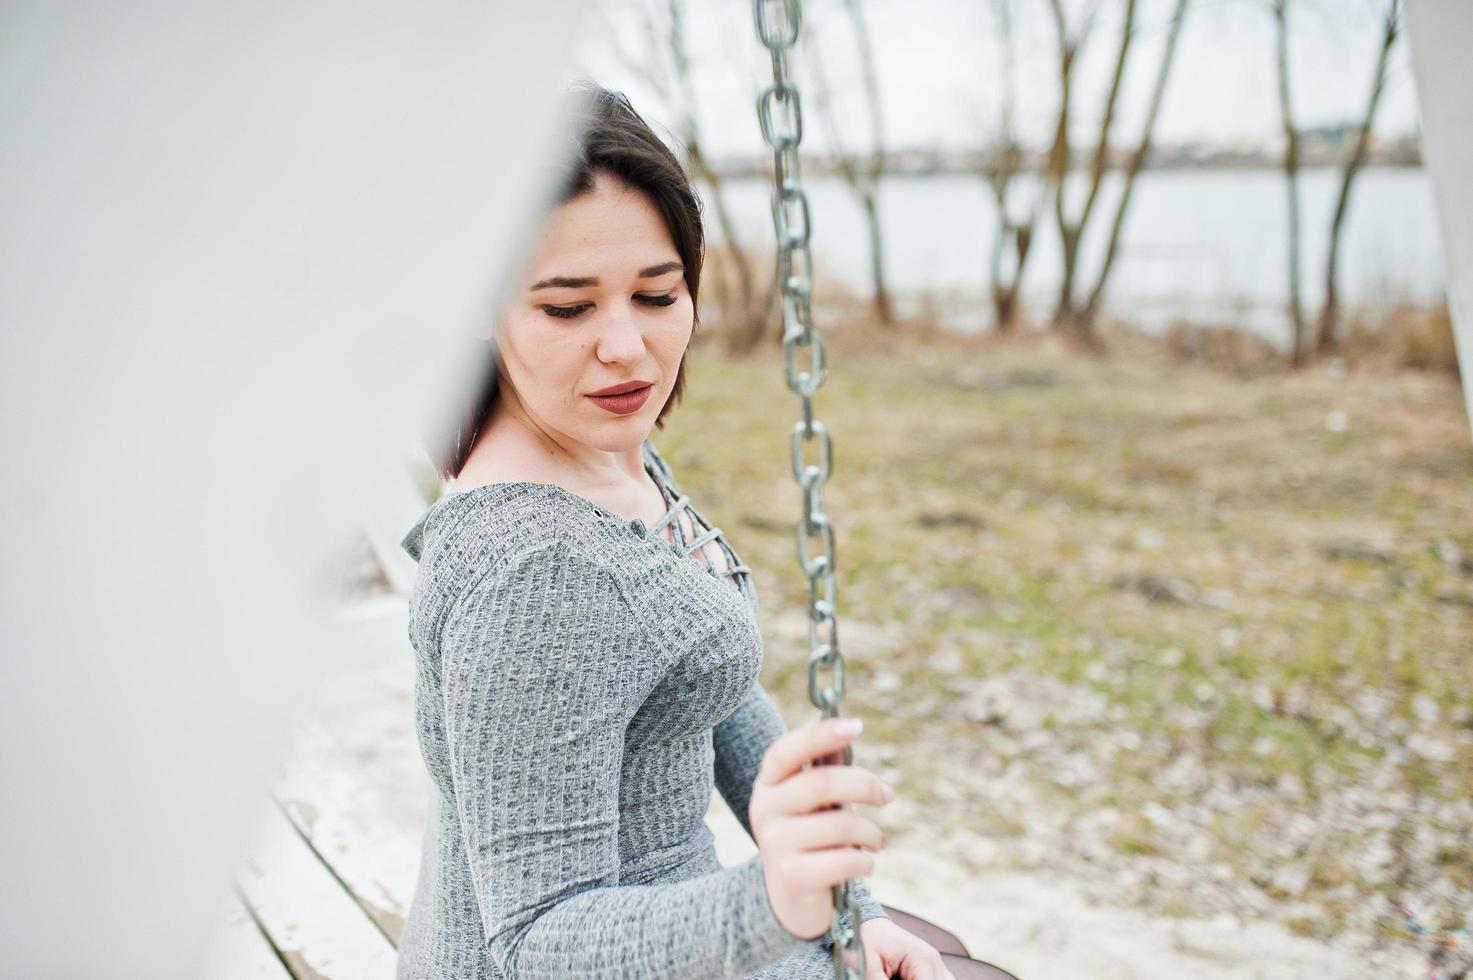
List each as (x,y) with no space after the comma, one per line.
(564,312)
(648,299)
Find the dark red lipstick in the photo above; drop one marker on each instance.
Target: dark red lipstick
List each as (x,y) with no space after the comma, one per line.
(622,398)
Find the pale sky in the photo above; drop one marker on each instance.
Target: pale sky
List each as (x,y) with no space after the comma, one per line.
(939,67)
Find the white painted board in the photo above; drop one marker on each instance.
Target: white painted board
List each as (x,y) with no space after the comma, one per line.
(314,924)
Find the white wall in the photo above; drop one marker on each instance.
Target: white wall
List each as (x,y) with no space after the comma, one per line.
(241,245)
(1439,31)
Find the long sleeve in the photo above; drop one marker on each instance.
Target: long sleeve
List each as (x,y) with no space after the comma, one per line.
(541,659)
(741,739)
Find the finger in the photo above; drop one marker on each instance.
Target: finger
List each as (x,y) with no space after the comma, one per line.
(826,868)
(823,787)
(918,967)
(794,749)
(935,969)
(832,759)
(874,965)
(827,828)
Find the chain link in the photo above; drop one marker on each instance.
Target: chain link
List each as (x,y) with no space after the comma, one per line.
(780,114)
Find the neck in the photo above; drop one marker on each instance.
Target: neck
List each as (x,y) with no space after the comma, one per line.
(513,445)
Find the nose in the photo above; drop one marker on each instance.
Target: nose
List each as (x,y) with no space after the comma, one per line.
(620,337)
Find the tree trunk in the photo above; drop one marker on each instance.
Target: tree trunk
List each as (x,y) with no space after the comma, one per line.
(1133,168)
(1069,315)
(882,307)
(1060,152)
(1005,310)
(1012,236)
(861,177)
(870,190)
(744,321)
(1069,245)
(1291,179)
(1328,341)
(1004,288)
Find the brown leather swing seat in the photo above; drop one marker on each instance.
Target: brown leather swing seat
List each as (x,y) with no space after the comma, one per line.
(953,951)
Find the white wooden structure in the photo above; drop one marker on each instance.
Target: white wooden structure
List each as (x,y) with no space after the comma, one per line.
(330,873)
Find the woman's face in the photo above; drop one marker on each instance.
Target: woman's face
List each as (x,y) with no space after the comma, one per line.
(603,302)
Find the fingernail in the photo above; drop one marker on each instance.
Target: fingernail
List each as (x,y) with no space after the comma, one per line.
(851,726)
(889,792)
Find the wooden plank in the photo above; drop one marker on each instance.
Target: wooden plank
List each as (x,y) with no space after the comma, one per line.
(239,951)
(334,795)
(314,924)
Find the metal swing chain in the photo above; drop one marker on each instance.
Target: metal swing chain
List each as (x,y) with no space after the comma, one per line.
(780,114)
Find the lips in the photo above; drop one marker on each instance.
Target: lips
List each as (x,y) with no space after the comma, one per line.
(622,387)
(625,401)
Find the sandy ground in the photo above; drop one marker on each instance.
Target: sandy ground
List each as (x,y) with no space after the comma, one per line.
(1040,925)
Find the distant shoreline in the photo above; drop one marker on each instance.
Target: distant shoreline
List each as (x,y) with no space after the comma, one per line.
(1401,153)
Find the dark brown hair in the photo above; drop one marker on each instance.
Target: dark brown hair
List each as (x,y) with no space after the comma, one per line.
(613,138)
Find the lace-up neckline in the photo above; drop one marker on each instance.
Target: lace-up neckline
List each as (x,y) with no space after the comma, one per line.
(676,502)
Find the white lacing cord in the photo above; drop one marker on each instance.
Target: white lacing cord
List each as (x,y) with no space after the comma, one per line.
(682,502)
(700,542)
(734,567)
(671,515)
(735,570)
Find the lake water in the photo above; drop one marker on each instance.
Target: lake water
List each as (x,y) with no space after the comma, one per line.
(1208,246)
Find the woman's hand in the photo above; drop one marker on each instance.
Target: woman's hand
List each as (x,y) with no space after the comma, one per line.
(890,951)
(809,836)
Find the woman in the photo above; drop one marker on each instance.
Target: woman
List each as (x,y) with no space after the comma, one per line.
(588,650)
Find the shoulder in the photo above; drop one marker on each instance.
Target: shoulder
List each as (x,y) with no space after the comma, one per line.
(552,617)
(503,539)
(550,586)
(482,525)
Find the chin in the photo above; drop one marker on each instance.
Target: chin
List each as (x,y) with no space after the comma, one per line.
(617,435)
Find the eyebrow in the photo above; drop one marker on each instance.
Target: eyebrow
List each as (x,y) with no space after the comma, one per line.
(577,282)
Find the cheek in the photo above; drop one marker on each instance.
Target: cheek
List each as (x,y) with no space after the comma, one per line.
(679,326)
(540,357)
(533,330)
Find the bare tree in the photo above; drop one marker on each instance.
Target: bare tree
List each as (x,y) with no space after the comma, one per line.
(746,308)
(861,172)
(663,61)
(1012,243)
(1071,227)
(1135,163)
(1070,314)
(1291,179)
(1328,340)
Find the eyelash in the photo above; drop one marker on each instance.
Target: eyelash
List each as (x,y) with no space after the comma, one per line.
(568,312)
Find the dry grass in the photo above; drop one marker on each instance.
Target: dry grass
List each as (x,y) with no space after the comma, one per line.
(1408,337)
(1226,348)
(1207,635)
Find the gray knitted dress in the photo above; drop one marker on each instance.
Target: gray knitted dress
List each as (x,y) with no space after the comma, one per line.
(583,685)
